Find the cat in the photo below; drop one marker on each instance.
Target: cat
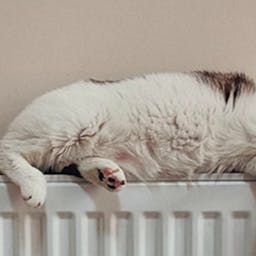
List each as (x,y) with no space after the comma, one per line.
(177,123)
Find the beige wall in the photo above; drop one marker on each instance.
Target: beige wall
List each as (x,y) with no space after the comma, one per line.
(48,43)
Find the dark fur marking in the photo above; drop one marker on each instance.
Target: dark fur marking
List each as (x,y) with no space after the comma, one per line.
(231,84)
(96,81)
(101,175)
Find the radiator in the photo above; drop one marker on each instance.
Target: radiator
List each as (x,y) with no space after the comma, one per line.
(207,217)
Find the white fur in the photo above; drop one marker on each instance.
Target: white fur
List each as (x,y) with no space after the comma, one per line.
(160,122)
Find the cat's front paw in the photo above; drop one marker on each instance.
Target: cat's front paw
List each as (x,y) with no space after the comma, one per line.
(33,190)
(103,172)
(112,179)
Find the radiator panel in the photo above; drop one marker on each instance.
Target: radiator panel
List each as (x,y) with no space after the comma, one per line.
(159,218)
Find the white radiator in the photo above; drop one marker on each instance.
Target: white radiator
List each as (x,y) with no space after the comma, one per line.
(203,218)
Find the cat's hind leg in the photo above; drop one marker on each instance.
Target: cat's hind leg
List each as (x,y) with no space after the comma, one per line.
(30,180)
(102,172)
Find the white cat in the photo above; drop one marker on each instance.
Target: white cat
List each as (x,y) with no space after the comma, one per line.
(178,123)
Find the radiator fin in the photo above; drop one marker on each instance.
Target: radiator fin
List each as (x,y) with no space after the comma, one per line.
(8,234)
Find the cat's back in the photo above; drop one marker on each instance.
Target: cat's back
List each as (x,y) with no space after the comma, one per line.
(79,98)
(161,92)
(59,108)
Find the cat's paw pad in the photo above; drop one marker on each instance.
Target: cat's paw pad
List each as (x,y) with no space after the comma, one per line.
(33,191)
(113,180)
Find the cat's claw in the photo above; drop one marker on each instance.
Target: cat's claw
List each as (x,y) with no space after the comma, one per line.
(112,180)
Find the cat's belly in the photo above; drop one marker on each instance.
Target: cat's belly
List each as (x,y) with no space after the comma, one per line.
(148,139)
